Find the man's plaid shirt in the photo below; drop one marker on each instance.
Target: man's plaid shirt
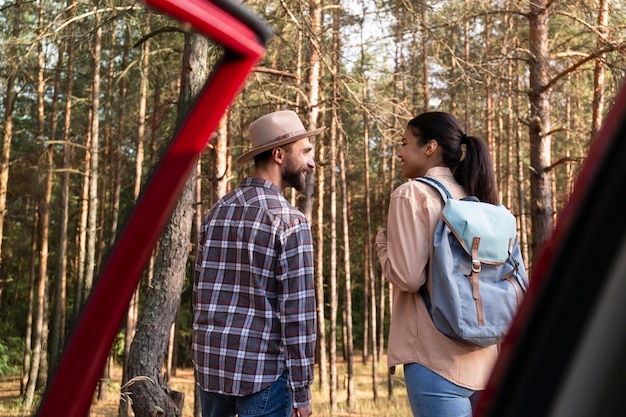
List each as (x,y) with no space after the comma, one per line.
(253,294)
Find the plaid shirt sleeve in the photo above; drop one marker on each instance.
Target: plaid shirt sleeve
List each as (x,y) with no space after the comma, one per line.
(297,309)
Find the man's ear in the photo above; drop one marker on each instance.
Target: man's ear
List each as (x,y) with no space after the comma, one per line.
(278,154)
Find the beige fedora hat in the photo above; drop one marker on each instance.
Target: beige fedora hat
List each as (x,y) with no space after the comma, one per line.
(275,129)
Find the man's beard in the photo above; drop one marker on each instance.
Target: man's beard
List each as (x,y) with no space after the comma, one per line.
(295,179)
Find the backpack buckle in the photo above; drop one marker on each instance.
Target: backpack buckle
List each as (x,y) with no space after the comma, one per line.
(476,265)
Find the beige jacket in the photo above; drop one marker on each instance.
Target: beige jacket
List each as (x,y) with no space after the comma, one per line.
(404,248)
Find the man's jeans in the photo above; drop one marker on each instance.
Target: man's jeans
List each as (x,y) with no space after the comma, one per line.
(431,395)
(273,401)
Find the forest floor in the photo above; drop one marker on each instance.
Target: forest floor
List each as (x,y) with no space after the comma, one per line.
(365,406)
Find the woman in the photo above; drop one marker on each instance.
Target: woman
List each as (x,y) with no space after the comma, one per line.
(441,374)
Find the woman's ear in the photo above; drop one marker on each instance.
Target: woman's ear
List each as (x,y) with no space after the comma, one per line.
(431,147)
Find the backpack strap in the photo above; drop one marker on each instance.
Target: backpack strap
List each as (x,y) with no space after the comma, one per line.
(445,194)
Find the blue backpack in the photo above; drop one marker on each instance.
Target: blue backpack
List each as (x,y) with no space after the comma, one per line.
(478,275)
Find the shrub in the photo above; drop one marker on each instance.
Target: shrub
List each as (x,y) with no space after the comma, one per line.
(11,355)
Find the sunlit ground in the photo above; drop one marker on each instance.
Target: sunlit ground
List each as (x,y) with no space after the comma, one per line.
(365,405)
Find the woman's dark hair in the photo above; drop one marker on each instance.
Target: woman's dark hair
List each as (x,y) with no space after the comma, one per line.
(474,169)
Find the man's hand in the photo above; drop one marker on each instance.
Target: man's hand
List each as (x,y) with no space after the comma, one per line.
(304,411)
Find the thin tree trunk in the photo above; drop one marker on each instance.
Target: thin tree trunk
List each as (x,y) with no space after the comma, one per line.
(61,313)
(540,127)
(9,102)
(221,167)
(369,256)
(39,343)
(132,314)
(468,96)
(347,307)
(59,284)
(28,355)
(94,150)
(519,157)
(598,72)
(509,135)
(425,54)
(82,229)
(387,186)
(332,285)
(169,363)
(313,82)
(195,233)
(373,341)
(490,136)
(319,269)
(107,195)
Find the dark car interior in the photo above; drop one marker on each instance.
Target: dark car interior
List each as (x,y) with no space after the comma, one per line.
(564,355)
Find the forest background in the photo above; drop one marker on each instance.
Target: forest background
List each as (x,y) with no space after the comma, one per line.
(534,79)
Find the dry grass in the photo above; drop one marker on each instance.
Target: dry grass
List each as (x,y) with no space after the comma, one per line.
(365,406)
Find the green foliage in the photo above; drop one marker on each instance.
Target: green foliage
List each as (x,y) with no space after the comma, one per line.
(11,355)
(374,81)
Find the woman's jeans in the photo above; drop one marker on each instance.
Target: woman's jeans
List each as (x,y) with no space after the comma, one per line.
(431,395)
(273,401)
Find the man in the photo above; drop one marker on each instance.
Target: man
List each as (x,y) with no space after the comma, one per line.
(254,329)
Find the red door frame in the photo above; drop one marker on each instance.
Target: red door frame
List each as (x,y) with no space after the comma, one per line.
(243,36)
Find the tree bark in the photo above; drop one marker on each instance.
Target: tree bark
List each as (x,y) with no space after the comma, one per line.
(133,307)
(313,82)
(319,268)
(540,127)
(28,355)
(94,150)
(347,284)
(7,138)
(39,342)
(149,392)
(598,72)
(332,280)
(56,327)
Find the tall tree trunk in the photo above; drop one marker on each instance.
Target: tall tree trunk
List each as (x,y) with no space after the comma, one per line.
(598,72)
(132,313)
(313,82)
(509,132)
(82,229)
(60,314)
(347,284)
(117,142)
(12,61)
(28,354)
(521,191)
(468,96)
(59,283)
(94,150)
(195,237)
(107,194)
(370,272)
(540,127)
(146,356)
(489,123)
(319,268)
(373,331)
(425,54)
(332,283)
(386,187)
(221,167)
(39,344)
(195,230)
